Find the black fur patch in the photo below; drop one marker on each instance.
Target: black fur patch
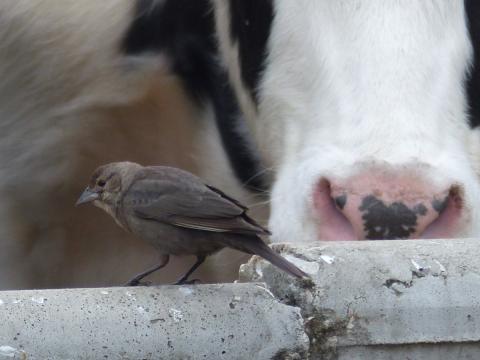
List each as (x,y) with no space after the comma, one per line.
(472,9)
(250,26)
(382,222)
(184,30)
(181,29)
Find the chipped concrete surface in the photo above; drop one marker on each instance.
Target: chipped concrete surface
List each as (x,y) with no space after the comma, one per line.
(7,351)
(365,300)
(231,321)
(378,297)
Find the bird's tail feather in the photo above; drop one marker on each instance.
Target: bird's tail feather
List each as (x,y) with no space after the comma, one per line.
(259,248)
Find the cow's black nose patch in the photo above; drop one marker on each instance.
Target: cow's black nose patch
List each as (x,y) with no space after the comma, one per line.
(396,221)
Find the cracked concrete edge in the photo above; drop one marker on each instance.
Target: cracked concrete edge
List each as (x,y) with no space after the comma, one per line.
(381,295)
(234,321)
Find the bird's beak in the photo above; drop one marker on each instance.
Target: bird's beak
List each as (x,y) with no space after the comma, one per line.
(87,196)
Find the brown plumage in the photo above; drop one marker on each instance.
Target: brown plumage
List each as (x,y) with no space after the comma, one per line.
(177,213)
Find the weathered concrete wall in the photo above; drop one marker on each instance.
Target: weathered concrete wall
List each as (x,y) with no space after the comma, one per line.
(384,299)
(234,321)
(366,300)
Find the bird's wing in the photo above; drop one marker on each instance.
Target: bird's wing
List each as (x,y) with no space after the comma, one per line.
(185,201)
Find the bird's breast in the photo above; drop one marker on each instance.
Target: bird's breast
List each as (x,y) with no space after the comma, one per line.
(173,240)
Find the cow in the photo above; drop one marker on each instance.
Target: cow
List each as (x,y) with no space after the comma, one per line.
(332,120)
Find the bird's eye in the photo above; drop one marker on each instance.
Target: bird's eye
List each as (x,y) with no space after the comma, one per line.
(101,183)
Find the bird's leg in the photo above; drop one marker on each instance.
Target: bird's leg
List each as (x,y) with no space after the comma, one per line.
(136,280)
(183,279)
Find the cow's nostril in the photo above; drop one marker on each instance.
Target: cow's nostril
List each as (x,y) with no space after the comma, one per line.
(340,201)
(449,210)
(332,222)
(387,211)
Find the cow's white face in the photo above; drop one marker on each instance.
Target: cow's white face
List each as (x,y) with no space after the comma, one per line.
(360,110)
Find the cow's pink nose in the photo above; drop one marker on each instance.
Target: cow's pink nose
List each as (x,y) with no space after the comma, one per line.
(374,208)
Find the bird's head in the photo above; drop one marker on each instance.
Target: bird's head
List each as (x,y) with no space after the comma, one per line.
(107,184)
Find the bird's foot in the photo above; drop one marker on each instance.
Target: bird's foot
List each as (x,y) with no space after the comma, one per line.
(188,282)
(137,282)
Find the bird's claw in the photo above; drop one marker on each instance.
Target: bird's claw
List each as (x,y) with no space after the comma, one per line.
(188,282)
(136,282)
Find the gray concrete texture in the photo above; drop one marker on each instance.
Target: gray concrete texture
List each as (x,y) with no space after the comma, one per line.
(384,299)
(231,321)
(415,300)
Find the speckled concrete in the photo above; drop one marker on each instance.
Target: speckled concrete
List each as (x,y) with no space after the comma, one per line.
(384,299)
(231,321)
(365,300)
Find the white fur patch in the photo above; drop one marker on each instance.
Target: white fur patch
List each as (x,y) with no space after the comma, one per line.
(354,83)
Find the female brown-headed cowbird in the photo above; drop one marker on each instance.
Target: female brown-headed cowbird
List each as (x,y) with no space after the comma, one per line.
(178,214)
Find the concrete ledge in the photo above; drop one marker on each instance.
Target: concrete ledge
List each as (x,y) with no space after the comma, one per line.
(231,321)
(366,300)
(384,299)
